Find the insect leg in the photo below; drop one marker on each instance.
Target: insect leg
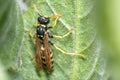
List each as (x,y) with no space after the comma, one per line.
(55,36)
(32,36)
(68,33)
(33,40)
(36,24)
(64,52)
(56,18)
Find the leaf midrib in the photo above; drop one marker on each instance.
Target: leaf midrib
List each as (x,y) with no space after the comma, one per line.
(76,39)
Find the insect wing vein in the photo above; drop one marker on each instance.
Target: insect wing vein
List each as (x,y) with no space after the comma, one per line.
(47,53)
(38,53)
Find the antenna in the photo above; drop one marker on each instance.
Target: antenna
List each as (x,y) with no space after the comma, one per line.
(39,14)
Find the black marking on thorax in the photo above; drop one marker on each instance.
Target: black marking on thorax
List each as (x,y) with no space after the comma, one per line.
(41,29)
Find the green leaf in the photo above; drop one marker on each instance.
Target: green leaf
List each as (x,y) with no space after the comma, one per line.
(3,74)
(77,14)
(11,40)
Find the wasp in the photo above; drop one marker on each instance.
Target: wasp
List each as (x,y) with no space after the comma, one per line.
(44,55)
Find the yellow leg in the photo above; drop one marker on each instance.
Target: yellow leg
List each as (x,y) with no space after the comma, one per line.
(80,55)
(37,24)
(31,56)
(54,36)
(31,35)
(57,16)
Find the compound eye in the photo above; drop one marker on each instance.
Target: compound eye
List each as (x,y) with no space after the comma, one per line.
(43,20)
(40,19)
(46,20)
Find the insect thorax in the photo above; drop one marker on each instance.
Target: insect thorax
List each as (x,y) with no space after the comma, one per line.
(41,29)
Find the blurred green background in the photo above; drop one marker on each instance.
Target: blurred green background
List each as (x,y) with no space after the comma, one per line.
(96,25)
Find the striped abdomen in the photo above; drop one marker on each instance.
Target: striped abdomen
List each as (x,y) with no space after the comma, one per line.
(48,61)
